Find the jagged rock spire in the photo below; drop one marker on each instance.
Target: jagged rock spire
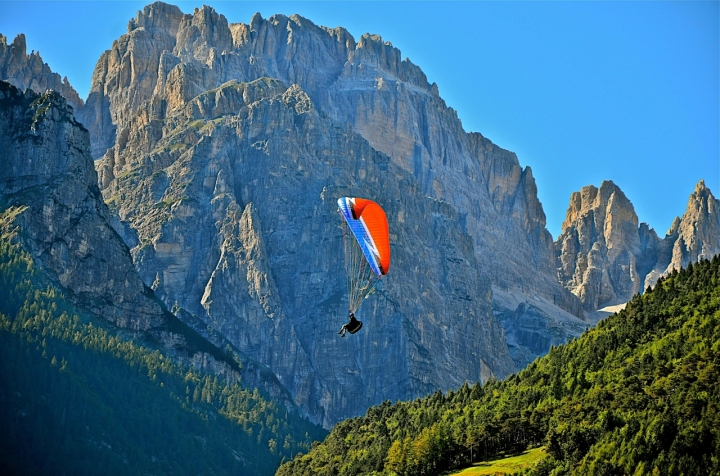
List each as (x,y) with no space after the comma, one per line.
(698,231)
(604,256)
(28,71)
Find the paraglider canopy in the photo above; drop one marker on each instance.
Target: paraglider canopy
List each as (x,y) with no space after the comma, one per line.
(367,246)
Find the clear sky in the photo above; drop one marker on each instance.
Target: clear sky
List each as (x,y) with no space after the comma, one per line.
(581,91)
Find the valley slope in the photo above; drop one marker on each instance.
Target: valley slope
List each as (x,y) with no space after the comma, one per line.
(638,394)
(95,370)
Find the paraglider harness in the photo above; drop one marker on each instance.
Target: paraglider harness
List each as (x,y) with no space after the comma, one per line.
(366,247)
(352,326)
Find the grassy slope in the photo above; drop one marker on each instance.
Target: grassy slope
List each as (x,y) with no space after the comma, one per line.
(638,394)
(510,465)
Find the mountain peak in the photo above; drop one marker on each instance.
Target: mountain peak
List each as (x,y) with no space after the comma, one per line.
(30,72)
(599,247)
(702,191)
(591,199)
(698,230)
(20,42)
(609,185)
(604,257)
(156,15)
(703,197)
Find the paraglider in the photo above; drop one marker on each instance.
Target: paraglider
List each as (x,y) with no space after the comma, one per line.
(366,242)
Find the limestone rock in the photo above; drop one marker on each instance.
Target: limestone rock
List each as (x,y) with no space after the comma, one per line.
(698,231)
(126,75)
(48,180)
(363,83)
(599,249)
(195,140)
(532,324)
(30,72)
(46,167)
(604,257)
(366,84)
(235,213)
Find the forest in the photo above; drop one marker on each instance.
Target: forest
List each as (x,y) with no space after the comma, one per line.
(638,394)
(77,395)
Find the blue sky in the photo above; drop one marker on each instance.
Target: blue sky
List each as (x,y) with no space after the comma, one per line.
(581,91)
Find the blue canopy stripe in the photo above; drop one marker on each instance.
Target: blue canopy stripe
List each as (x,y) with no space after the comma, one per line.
(361,233)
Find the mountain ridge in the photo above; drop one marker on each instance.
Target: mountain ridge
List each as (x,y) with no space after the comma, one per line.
(28,71)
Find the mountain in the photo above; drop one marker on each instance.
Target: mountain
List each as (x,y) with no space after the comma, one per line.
(638,394)
(30,72)
(205,130)
(605,257)
(698,230)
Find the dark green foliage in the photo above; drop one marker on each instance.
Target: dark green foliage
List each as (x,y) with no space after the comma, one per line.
(78,397)
(639,394)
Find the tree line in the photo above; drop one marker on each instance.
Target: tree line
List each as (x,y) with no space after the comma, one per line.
(77,394)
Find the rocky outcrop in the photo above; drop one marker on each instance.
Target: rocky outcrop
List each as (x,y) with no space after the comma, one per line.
(532,324)
(126,75)
(47,170)
(604,257)
(599,247)
(697,234)
(30,72)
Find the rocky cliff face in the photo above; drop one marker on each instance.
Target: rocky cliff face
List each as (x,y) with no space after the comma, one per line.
(204,126)
(599,247)
(604,257)
(233,213)
(50,201)
(697,234)
(47,170)
(167,58)
(29,71)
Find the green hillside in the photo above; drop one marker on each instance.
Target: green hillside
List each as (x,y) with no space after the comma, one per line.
(639,394)
(80,397)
